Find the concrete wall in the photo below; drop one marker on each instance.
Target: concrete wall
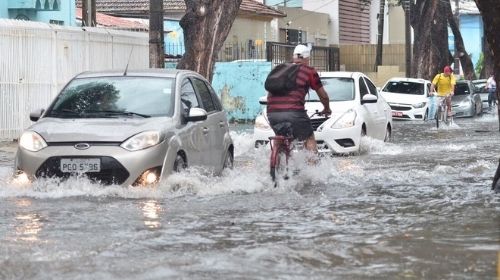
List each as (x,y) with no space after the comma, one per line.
(330,7)
(257,30)
(314,23)
(396,22)
(239,85)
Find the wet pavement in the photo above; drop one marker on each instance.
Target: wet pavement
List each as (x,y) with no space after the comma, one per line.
(419,207)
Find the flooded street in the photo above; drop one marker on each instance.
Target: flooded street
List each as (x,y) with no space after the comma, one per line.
(419,207)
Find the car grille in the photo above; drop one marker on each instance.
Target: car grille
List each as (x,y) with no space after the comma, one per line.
(400,108)
(346,142)
(112,172)
(317,122)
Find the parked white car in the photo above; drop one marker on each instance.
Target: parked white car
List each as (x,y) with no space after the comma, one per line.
(407,97)
(357,110)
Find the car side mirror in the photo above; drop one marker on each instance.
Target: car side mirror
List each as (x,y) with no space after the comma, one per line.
(35,115)
(196,114)
(369,98)
(263,100)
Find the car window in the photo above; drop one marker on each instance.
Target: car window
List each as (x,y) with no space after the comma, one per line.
(99,97)
(462,89)
(206,98)
(337,88)
(188,96)
(215,98)
(405,87)
(363,90)
(371,87)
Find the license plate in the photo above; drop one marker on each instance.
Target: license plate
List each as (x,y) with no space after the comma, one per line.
(397,114)
(80,165)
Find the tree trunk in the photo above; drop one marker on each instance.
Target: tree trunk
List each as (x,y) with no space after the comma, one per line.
(464,57)
(206,25)
(487,69)
(490,9)
(380,35)
(430,45)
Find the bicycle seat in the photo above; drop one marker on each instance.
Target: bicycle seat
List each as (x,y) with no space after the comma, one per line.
(284,129)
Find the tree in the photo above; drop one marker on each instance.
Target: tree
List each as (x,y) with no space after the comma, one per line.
(464,57)
(490,9)
(206,25)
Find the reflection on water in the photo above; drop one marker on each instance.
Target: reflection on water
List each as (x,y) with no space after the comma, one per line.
(28,225)
(151,211)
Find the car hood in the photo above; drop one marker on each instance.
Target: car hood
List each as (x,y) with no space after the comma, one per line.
(338,108)
(96,130)
(457,99)
(400,98)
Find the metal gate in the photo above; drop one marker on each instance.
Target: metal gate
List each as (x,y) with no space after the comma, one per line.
(322,58)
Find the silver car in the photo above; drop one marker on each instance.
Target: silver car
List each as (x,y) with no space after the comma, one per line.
(466,102)
(131,128)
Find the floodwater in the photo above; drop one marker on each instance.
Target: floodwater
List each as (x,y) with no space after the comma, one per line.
(420,207)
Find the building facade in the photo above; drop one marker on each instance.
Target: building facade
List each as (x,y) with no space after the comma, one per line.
(61,12)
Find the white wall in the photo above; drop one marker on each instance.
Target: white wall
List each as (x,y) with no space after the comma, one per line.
(331,7)
(38,59)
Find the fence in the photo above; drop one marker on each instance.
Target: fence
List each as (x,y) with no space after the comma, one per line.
(362,57)
(38,59)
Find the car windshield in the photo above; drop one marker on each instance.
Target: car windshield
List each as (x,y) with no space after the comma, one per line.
(462,89)
(114,96)
(404,87)
(338,89)
(480,85)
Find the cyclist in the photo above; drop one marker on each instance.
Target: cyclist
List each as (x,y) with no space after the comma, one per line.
(290,107)
(445,83)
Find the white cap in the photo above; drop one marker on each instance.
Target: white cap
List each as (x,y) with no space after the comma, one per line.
(302,51)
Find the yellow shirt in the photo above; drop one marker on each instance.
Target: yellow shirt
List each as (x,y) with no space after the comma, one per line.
(444,84)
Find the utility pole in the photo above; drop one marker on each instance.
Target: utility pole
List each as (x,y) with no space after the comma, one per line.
(88,13)
(156,49)
(407,9)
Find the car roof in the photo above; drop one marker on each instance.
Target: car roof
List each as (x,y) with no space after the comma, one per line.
(339,74)
(404,79)
(153,72)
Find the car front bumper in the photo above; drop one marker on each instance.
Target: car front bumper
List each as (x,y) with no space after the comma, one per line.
(118,166)
(407,112)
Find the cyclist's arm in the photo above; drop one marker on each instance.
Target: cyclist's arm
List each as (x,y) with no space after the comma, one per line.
(433,89)
(325,100)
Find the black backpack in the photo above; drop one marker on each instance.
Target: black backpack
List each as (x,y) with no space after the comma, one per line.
(282,79)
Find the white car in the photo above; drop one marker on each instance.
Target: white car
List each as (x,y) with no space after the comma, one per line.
(407,97)
(357,110)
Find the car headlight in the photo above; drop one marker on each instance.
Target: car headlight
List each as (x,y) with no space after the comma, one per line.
(32,141)
(419,105)
(348,119)
(261,123)
(141,141)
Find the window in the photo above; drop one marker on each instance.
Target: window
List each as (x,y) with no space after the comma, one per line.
(188,96)
(58,22)
(405,87)
(206,98)
(373,89)
(363,90)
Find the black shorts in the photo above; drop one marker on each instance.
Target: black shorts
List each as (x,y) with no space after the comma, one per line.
(301,124)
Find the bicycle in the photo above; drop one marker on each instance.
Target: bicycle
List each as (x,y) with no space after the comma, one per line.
(442,111)
(282,145)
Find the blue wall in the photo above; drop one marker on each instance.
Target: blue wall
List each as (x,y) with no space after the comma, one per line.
(65,12)
(239,85)
(472,30)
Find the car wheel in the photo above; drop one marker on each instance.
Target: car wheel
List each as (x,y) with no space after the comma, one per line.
(388,134)
(229,160)
(179,163)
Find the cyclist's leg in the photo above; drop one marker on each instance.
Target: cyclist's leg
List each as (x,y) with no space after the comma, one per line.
(448,105)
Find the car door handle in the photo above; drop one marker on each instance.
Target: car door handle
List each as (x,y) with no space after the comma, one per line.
(205,130)
(222,124)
